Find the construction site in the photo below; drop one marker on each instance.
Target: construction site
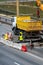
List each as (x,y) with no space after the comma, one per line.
(26,29)
(21,32)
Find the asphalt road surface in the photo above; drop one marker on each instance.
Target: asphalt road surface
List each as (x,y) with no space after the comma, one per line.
(4,28)
(11,56)
(37,51)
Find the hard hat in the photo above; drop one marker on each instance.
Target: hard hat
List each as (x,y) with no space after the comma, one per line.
(20,32)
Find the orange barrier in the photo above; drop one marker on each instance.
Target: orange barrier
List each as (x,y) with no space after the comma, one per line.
(39,4)
(24,48)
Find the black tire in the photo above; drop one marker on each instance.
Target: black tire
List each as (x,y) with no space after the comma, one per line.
(24,35)
(14,30)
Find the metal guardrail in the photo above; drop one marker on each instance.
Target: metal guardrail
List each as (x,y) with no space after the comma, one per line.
(36,18)
(6,23)
(7,11)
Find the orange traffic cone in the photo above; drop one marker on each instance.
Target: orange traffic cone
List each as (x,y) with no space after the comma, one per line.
(24,48)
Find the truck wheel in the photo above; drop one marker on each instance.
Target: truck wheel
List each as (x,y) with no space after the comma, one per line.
(24,35)
(14,30)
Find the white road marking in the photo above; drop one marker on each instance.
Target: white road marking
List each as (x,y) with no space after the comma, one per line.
(34,56)
(16,63)
(38,47)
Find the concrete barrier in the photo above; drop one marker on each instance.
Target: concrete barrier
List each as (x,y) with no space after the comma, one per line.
(19,46)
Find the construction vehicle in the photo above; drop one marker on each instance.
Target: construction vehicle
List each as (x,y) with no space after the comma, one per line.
(28,26)
(31,28)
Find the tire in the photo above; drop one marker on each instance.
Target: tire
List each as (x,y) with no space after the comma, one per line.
(14,30)
(24,35)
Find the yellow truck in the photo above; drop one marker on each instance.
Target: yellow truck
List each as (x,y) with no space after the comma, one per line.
(26,25)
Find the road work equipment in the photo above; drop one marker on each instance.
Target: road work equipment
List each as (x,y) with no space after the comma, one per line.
(24,48)
(28,26)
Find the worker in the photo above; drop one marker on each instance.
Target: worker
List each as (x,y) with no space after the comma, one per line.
(31,45)
(21,37)
(10,36)
(6,36)
(38,13)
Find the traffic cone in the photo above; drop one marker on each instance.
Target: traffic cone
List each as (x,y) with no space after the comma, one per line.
(24,48)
